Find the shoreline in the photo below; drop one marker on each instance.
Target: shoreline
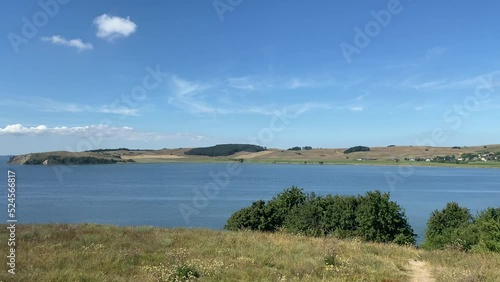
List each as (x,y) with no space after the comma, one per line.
(486,156)
(492,165)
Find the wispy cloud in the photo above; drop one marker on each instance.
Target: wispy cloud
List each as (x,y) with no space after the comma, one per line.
(113,27)
(49,105)
(244,83)
(195,97)
(356,108)
(431,54)
(362,97)
(296,83)
(186,88)
(421,108)
(434,52)
(484,80)
(433,84)
(105,131)
(74,43)
(19,129)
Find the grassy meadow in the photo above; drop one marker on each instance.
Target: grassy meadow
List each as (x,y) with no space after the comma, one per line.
(87,252)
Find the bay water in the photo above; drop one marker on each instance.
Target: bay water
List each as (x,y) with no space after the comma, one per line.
(206,194)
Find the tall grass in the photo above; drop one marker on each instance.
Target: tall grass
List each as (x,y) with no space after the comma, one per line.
(86,252)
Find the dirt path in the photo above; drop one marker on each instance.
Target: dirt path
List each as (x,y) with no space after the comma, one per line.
(420,272)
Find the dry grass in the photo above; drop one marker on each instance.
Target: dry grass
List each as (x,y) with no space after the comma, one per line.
(453,265)
(107,253)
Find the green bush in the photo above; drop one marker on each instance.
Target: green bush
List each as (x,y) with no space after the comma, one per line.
(307,219)
(372,217)
(488,226)
(186,273)
(254,217)
(357,149)
(381,220)
(452,227)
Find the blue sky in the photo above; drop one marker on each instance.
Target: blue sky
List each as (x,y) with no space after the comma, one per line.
(77,75)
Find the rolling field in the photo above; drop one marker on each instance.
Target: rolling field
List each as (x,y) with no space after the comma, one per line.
(376,156)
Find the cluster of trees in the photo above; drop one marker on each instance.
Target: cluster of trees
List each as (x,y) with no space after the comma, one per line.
(469,156)
(372,217)
(445,159)
(455,227)
(224,150)
(297,148)
(58,160)
(357,149)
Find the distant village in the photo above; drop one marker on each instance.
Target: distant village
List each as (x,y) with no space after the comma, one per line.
(464,158)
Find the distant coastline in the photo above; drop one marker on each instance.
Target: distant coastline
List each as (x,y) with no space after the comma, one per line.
(484,156)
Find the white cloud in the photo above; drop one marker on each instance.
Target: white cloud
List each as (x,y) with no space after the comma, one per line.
(75,43)
(296,83)
(362,97)
(19,129)
(243,83)
(112,27)
(356,108)
(185,87)
(483,81)
(48,105)
(420,108)
(104,131)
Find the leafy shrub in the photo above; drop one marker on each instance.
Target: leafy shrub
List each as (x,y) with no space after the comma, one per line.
(282,204)
(357,149)
(488,226)
(254,217)
(451,227)
(372,217)
(186,273)
(381,220)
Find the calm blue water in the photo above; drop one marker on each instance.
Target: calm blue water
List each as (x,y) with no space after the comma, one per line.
(151,194)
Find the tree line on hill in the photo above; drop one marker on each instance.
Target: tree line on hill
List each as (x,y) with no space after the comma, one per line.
(297,148)
(372,217)
(357,149)
(225,150)
(59,160)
